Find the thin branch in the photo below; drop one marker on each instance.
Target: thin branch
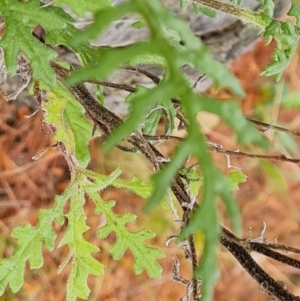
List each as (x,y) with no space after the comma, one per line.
(282,247)
(113,85)
(195,281)
(145,72)
(244,14)
(242,154)
(221,150)
(264,249)
(255,271)
(268,126)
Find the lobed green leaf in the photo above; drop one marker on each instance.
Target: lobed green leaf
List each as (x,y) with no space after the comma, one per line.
(18,39)
(267,6)
(295,12)
(144,256)
(236,178)
(286,37)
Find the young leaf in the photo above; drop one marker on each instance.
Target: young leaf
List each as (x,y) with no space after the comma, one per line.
(137,186)
(236,178)
(151,120)
(145,257)
(267,6)
(204,10)
(163,179)
(295,12)
(83,264)
(54,109)
(192,179)
(65,115)
(59,27)
(286,37)
(30,240)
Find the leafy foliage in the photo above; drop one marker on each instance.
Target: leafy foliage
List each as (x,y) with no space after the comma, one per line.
(59,27)
(267,6)
(30,239)
(176,85)
(134,241)
(295,11)
(19,38)
(80,7)
(30,244)
(286,37)
(171,46)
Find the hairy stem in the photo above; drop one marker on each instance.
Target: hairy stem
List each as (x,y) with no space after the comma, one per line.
(244,14)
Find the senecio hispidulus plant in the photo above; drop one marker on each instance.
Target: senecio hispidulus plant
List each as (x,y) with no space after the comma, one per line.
(170,45)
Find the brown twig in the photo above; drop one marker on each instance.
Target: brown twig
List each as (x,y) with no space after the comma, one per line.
(257,156)
(113,85)
(268,126)
(221,150)
(265,250)
(156,80)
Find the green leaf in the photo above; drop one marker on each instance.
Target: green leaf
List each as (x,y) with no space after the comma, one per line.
(60,30)
(158,18)
(141,105)
(111,60)
(81,128)
(30,240)
(103,19)
(286,38)
(295,12)
(183,5)
(19,39)
(267,6)
(236,178)
(83,264)
(192,178)
(82,267)
(65,116)
(54,109)
(79,7)
(165,90)
(214,184)
(64,34)
(139,24)
(230,112)
(144,256)
(163,179)
(151,120)
(135,185)
(204,10)
(273,29)
(209,225)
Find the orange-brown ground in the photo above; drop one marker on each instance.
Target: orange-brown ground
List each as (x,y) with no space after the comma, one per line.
(26,186)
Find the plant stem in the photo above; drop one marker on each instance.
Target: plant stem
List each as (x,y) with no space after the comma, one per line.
(244,14)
